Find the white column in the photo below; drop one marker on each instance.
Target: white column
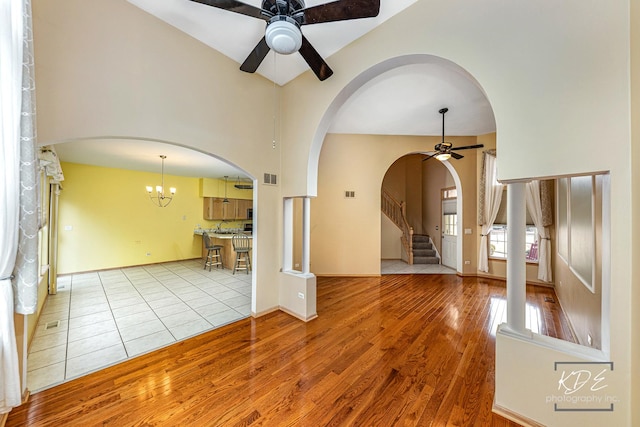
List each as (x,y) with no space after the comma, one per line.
(306,230)
(516,261)
(287,241)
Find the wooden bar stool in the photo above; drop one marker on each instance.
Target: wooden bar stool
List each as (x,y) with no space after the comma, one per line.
(214,257)
(242,247)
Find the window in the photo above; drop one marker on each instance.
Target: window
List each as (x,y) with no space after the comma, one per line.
(498,242)
(450,224)
(449,193)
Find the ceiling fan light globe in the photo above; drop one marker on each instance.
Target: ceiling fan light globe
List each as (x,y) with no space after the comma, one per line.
(283,37)
(443,156)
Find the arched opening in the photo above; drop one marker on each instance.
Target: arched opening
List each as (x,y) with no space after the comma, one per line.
(430,193)
(355,163)
(131,276)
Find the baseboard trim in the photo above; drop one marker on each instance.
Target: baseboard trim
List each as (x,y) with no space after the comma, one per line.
(504,279)
(348,275)
(516,418)
(264,312)
(291,313)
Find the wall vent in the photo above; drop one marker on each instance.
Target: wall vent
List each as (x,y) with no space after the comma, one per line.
(349,194)
(270,179)
(51,325)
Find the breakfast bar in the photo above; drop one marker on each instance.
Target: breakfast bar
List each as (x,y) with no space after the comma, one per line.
(223,239)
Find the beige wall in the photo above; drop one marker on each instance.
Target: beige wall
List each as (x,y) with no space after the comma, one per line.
(582,306)
(360,162)
(635,200)
(435,178)
(390,235)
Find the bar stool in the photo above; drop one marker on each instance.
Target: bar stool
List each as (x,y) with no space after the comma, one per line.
(242,247)
(214,257)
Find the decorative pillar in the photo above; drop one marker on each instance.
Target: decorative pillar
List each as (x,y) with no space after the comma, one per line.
(516,257)
(53,238)
(306,230)
(287,256)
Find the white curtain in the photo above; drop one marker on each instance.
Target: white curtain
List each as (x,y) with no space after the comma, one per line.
(492,197)
(534,206)
(27,268)
(11,50)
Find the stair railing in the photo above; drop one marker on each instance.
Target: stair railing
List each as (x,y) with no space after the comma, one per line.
(397,212)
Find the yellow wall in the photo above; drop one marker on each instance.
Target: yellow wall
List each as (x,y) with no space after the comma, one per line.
(211,187)
(114,224)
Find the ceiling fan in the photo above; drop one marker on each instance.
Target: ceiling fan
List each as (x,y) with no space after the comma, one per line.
(446,150)
(284,19)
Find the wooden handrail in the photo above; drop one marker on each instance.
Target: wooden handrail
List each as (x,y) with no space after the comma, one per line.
(397,212)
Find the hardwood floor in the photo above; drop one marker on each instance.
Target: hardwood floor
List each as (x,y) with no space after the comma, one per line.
(396,350)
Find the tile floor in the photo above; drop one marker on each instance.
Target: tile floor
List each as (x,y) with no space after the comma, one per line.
(101,318)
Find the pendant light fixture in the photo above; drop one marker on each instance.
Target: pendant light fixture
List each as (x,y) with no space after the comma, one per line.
(160,198)
(445,154)
(225,200)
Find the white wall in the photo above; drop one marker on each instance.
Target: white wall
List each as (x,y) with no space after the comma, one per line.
(558,80)
(107,68)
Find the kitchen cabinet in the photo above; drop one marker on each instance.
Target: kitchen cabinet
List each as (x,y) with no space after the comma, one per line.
(242,207)
(213,208)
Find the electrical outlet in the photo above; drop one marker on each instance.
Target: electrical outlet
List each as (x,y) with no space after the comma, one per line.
(148,253)
(300,295)
(467,262)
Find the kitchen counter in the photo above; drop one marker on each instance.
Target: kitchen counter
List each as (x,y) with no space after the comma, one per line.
(224,239)
(212,233)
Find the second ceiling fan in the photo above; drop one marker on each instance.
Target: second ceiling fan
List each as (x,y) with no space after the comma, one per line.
(284,19)
(446,150)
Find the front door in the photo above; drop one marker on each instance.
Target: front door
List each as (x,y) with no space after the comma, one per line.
(449,232)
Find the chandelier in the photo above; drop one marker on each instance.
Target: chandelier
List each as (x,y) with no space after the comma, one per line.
(160,198)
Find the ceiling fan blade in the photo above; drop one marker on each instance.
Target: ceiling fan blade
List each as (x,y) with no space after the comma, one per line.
(430,156)
(315,61)
(456,156)
(237,7)
(340,10)
(467,147)
(253,61)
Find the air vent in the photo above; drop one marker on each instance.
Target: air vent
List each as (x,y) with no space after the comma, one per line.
(51,325)
(549,299)
(270,179)
(349,194)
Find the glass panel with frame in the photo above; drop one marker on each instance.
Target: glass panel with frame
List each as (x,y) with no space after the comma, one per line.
(498,242)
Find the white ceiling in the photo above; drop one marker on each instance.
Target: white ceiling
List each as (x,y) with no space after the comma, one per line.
(236,35)
(404,101)
(144,155)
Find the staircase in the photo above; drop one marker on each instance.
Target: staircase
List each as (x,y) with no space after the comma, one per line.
(423,251)
(417,249)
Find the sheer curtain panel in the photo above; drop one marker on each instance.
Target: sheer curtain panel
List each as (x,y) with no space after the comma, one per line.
(11,48)
(27,268)
(534,206)
(490,198)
